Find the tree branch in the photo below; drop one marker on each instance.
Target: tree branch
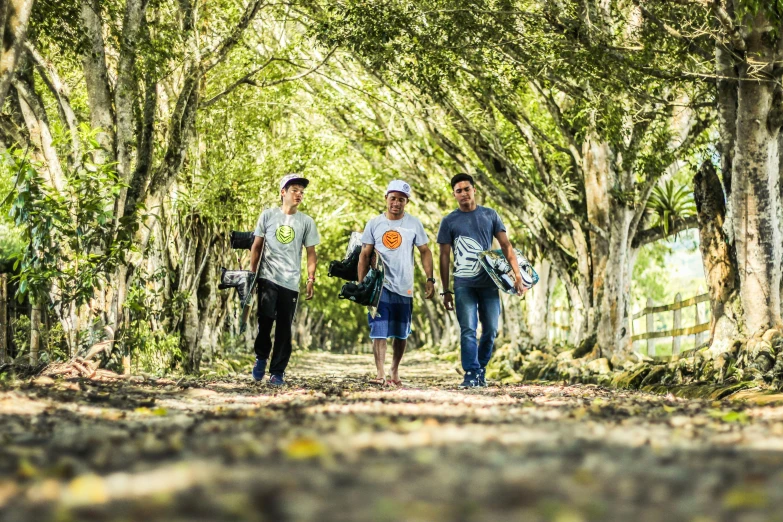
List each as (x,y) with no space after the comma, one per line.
(246,79)
(671,31)
(60,91)
(226,45)
(728,25)
(554,111)
(37,122)
(651,235)
(649,185)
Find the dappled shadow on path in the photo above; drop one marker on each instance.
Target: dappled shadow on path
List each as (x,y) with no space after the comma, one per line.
(330,446)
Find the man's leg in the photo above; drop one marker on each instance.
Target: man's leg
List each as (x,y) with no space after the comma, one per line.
(398,345)
(466,305)
(263,343)
(286,307)
(266,318)
(489,316)
(379,332)
(262,346)
(379,351)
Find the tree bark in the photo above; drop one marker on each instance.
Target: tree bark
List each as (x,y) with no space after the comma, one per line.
(755,193)
(538,304)
(35,331)
(727,116)
(37,123)
(3,318)
(61,93)
(613,324)
(718,257)
(611,220)
(14,17)
(125,95)
(96,77)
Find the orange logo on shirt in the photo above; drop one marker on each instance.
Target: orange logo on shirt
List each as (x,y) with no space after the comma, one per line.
(392,239)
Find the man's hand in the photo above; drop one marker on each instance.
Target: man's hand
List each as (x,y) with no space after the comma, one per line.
(448,301)
(309,290)
(519,287)
(429,290)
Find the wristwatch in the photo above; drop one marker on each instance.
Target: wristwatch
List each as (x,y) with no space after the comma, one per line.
(431,280)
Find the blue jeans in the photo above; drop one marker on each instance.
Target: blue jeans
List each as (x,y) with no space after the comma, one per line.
(476,305)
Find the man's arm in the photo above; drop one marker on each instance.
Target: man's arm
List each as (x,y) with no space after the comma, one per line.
(426,261)
(255,253)
(364,261)
(445,267)
(312,261)
(511,257)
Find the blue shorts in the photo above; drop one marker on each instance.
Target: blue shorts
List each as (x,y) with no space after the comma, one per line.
(394,317)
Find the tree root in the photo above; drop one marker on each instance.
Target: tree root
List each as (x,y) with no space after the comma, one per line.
(756,363)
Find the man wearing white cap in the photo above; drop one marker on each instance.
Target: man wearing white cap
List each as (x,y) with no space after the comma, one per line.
(285,231)
(393,235)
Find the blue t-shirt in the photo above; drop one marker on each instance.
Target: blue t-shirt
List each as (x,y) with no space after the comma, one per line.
(469,233)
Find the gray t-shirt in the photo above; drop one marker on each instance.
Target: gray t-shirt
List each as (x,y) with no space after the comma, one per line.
(395,240)
(469,233)
(284,235)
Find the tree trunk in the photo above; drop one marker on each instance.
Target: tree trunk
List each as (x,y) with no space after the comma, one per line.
(96,78)
(727,118)
(579,317)
(37,123)
(611,218)
(125,96)
(35,331)
(190,338)
(538,303)
(432,317)
(755,190)
(14,17)
(613,328)
(718,257)
(3,318)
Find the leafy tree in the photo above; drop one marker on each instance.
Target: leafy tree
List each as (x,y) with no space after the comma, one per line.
(573,152)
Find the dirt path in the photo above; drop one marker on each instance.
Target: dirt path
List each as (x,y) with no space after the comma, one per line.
(331,447)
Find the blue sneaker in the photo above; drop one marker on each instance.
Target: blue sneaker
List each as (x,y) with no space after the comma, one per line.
(276,380)
(259,369)
(470,380)
(482,377)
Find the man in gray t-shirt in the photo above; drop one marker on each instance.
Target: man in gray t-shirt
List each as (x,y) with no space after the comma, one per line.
(394,240)
(285,236)
(394,234)
(280,234)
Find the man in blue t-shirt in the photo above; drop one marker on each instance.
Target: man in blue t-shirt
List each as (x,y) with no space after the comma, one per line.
(468,231)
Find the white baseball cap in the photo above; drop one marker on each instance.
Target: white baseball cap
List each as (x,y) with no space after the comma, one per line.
(399,186)
(290,178)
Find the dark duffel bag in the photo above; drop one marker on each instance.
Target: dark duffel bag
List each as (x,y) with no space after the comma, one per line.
(348,268)
(364,293)
(242,240)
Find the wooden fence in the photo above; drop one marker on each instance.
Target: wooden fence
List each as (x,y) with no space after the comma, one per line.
(677,331)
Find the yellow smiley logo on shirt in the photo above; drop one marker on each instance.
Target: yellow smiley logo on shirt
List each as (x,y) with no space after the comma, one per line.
(285,234)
